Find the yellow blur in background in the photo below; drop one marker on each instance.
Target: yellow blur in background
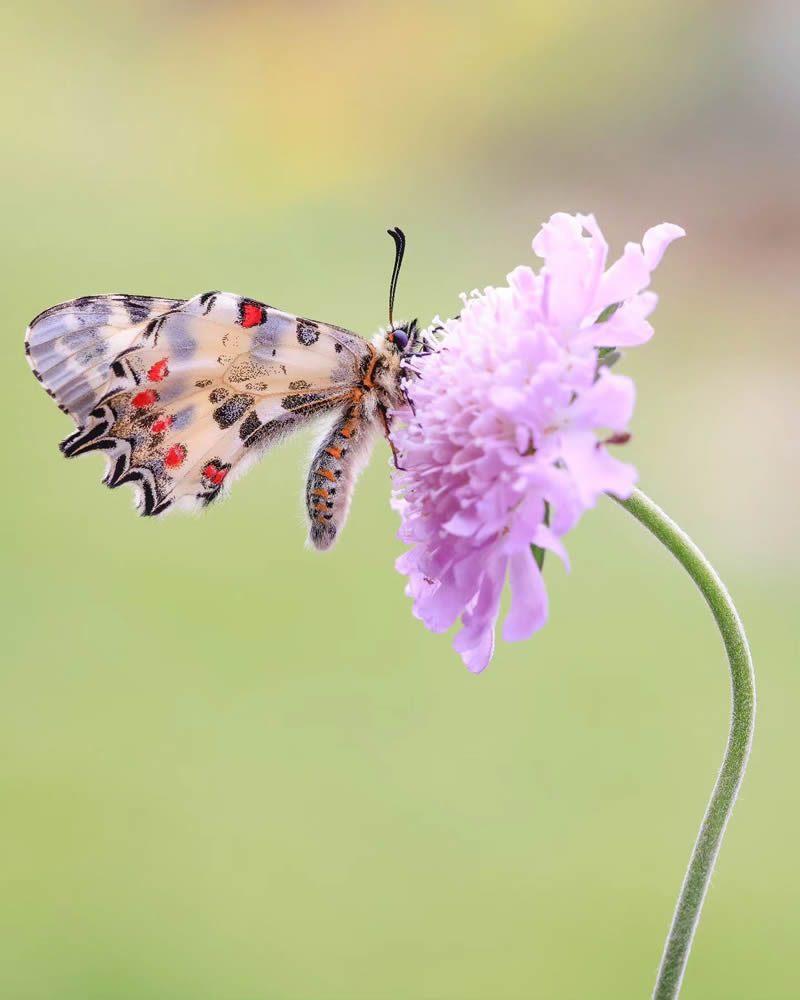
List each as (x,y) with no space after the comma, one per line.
(233,769)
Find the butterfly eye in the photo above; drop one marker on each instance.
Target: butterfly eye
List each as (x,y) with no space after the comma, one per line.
(400,338)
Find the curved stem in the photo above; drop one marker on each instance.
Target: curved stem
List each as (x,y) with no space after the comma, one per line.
(720,806)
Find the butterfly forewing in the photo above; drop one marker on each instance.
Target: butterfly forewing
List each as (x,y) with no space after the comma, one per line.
(178,395)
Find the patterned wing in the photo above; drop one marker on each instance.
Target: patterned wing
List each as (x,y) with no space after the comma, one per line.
(180,394)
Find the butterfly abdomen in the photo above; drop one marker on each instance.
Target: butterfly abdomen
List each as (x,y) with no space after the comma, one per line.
(335,467)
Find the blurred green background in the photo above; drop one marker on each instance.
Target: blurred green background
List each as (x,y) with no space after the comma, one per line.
(232,769)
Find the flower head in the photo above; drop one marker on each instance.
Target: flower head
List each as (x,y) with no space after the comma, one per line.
(499,449)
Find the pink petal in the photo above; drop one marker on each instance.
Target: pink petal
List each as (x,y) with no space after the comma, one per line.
(656,240)
(523,280)
(560,231)
(608,403)
(620,477)
(476,650)
(440,609)
(487,604)
(628,327)
(594,470)
(506,397)
(463,524)
(626,276)
(568,268)
(599,249)
(476,639)
(545,538)
(528,611)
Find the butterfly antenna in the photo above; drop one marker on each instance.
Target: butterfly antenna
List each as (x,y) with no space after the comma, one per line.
(399,249)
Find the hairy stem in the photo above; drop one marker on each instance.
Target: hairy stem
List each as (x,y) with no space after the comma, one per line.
(743,693)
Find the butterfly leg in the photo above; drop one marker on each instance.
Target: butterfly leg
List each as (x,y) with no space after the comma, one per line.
(387,431)
(340,457)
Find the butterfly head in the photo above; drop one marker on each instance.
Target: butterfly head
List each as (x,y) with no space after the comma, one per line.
(404,337)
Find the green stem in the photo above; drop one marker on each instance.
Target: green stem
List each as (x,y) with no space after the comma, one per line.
(720,806)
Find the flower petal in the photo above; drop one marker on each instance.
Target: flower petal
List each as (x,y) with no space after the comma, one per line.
(476,649)
(628,327)
(608,403)
(626,276)
(528,611)
(569,268)
(656,240)
(547,539)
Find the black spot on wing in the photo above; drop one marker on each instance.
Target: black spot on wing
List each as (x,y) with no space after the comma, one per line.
(208,496)
(82,445)
(272,430)
(250,425)
(233,409)
(307,332)
(118,472)
(149,499)
(138,308)
(83,438)
(303,400)
(153,327)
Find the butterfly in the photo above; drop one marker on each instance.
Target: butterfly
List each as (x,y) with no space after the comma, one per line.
(183,396)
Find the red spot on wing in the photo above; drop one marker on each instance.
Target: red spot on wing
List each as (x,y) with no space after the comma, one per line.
(146,398)
(214,474)
(158,371)
(160,425)
(175,456)
(252,314)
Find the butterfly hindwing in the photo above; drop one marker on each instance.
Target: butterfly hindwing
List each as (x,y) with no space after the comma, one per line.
(180,394)
(71,347)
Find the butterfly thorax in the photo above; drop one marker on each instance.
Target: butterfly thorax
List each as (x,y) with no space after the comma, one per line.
(384,371)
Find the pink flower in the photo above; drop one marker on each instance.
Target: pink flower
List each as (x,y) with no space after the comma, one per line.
(501,430)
